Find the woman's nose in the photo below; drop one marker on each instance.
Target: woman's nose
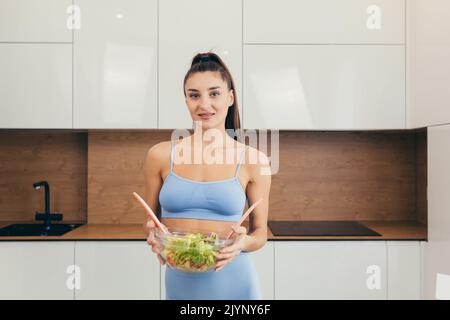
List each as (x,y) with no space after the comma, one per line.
(204,103)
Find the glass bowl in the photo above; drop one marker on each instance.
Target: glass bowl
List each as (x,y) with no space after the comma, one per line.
(190,250)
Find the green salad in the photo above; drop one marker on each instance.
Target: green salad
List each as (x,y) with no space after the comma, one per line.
(193,252)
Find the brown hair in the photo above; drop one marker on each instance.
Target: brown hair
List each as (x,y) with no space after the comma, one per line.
(210,61)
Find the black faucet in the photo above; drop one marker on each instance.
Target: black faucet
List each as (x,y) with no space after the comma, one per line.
(46,216)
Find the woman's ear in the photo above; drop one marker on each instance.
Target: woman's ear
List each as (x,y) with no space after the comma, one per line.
(231,100)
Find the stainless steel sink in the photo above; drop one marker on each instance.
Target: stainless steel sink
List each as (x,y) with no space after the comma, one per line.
(37,229)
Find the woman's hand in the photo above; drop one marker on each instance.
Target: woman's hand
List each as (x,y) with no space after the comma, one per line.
(150,228)
(228,253)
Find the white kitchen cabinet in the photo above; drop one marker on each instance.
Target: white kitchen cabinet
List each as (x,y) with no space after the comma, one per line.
(36,270)
(263,261)
(330,270)
(428,67)
(324,87)
(35,21)
(115,64)
(35,85)
(117,270)
(324,21)
(436,260)
(162,286)
(404,270)
(185,29)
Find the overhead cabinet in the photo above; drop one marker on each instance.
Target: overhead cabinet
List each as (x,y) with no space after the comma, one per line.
(324,87)
(35,85)
(324,21)
(428,52)
(185,29)
(36,21)
(115,64)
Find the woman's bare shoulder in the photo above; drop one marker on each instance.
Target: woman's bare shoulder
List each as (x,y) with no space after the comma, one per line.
(159,153)
(255,156)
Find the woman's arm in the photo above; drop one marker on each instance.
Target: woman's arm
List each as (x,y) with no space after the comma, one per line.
(258,187)
(153,165)
(152,175)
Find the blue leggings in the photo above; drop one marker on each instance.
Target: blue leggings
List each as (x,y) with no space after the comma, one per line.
(237,280)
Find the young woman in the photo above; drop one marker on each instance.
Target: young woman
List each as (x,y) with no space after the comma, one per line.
(210,197)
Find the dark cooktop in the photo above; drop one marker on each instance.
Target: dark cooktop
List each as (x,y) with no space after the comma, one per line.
(320,228)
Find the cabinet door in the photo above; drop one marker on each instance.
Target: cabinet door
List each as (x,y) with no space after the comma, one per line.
(185,29)
(35,85)
(404,270)
(324,21)
(428,51)
(35,21)
(115,64)
(117,270)
(36,270)
(437,249)
(263,260)
(324,87)
(330,270)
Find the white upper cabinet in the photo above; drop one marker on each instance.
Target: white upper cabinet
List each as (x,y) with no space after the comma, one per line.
(187,28)
(35,21)
(324,21)
(115,64)
(428,52)
(35,85)
(341,87)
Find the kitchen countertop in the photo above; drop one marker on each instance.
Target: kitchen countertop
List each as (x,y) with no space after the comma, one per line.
(389,230)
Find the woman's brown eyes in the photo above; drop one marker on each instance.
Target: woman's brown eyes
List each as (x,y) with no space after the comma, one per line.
(195,95)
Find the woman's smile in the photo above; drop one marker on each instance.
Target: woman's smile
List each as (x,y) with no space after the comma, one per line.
(206,115)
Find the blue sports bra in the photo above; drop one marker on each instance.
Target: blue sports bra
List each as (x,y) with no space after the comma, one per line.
(209,200)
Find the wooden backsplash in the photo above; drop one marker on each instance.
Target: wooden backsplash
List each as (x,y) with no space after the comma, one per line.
(115,170)
(30,156)
(345,176)
(379,175)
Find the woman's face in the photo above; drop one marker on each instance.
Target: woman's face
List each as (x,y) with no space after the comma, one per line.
(208,99)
